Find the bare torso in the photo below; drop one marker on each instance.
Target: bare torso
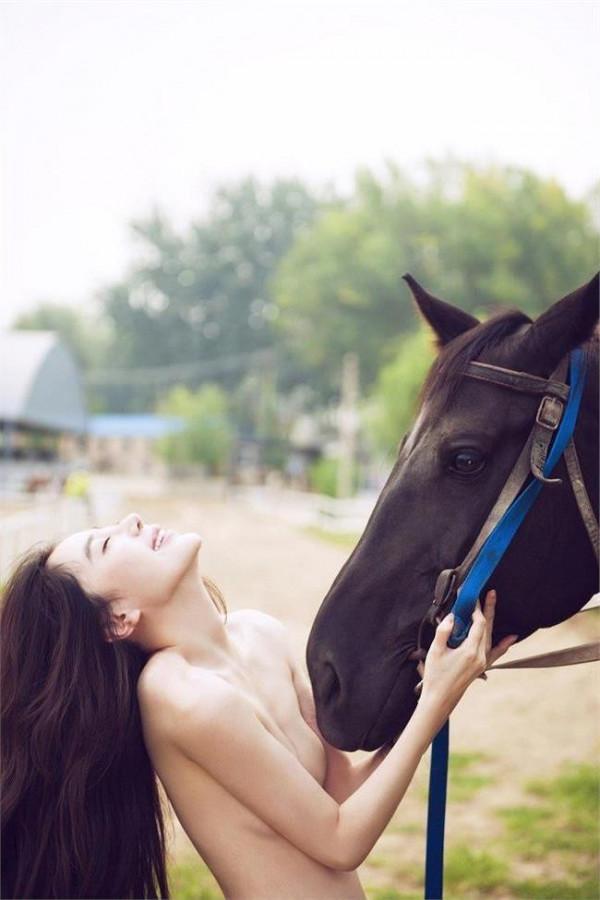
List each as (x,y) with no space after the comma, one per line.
(249,859)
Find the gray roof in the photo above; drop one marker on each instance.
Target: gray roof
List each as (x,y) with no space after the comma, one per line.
(40,382)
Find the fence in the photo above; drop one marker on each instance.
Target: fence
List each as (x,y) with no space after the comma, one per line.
(48,518)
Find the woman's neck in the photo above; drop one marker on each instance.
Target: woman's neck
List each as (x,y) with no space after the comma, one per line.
(189,624)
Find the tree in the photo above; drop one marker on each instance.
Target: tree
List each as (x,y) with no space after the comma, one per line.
(204,293)
(389,411)
(338,288)
(86,336)
(208,434)
(481,237)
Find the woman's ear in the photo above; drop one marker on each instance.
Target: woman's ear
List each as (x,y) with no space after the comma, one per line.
(124,624)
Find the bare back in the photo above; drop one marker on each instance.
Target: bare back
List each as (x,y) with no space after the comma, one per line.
(249,859)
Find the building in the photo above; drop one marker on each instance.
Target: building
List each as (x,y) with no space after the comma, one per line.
(42,406)
(126,442)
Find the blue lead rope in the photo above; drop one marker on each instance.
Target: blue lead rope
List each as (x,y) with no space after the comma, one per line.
(483,566)
(436,814)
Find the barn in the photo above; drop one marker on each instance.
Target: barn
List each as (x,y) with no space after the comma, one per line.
(42,406)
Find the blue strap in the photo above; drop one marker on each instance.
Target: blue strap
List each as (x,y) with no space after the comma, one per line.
(436,814)
(485,562)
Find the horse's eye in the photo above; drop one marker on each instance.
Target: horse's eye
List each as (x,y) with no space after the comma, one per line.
(402,442)
(467,461)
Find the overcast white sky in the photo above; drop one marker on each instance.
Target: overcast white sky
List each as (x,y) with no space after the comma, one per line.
(110,107)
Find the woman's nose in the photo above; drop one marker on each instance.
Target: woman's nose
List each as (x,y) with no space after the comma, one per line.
(132,522)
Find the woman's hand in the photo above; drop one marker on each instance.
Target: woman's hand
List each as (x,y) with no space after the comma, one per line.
(448,673)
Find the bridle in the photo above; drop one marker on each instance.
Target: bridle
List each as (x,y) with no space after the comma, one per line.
(551,437)
(555,394)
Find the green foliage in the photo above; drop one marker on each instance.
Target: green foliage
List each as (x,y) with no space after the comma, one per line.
(480,237)
(530,889)
(344,277)
(559,831)
(565,818)
(515,239)
(208,434)
(388,893)
(465,776)
(86,336)
(191,879)
(323,476)
(203,293)
(548,849)
(466,869)
(463,781)
(258,410)
(277,267)
(389,411)
(341,539)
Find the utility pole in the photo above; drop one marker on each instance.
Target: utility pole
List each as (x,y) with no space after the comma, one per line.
(348,425)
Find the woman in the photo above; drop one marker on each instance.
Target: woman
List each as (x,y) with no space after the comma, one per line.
(117,662)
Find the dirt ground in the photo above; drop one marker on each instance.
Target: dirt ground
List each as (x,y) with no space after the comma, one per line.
(526,724)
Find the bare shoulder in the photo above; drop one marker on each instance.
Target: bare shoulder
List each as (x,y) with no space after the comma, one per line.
(169,691)
(262,621)
(268,628)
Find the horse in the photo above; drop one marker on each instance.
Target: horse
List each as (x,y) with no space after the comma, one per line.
(448,472)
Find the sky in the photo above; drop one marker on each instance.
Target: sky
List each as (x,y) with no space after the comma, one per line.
(111,108)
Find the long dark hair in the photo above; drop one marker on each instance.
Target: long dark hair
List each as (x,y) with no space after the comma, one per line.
(81,810)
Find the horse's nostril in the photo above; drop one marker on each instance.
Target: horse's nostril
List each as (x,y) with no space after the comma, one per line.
(330,683)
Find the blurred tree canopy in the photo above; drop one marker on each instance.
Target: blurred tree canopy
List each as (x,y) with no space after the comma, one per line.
(208,434)
(302,277)
(478,237)
(86,337)
(389,411)
(204,294)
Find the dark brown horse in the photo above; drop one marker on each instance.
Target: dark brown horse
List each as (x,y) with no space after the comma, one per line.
(449,470)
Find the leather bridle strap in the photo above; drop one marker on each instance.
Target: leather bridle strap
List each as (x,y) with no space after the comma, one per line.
(531,458)
(581,495)
(519,381)
(499,540)
(548,440)
(570,656)
(513,484)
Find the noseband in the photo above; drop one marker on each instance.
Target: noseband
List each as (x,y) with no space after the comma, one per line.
(556,415)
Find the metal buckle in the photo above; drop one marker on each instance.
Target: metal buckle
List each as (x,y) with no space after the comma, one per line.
(550,412)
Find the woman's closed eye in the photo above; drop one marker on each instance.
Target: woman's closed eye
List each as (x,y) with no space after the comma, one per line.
(105,544)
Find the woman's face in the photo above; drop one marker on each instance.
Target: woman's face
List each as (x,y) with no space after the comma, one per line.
(129,560)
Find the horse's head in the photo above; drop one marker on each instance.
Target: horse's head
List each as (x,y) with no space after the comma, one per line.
(449,470)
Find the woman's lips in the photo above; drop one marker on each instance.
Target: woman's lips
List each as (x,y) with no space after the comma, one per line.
(167,535)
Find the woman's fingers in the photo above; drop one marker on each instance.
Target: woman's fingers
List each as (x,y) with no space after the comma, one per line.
(489,612)
(477,634)
(501,648)
(443,632)
(480,634)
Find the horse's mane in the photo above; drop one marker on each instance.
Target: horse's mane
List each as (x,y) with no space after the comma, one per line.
(445,374)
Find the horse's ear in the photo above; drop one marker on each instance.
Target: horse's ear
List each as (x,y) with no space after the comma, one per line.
(564,326)
(446,320)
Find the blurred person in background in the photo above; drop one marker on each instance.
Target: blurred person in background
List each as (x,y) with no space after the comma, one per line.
(120,664)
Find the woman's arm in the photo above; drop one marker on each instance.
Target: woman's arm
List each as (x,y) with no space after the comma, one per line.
(344,775)
(216,727)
